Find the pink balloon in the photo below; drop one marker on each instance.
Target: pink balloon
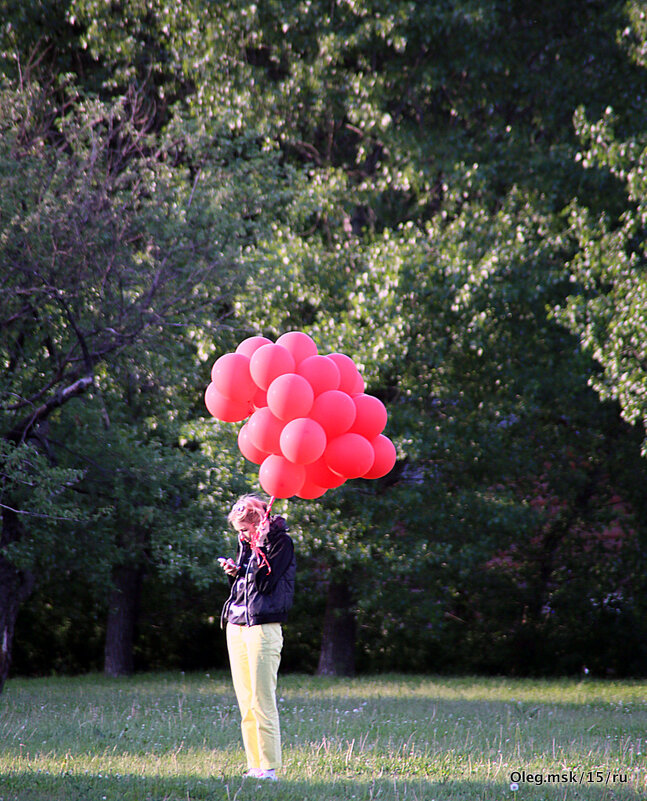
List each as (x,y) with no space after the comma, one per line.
(370,418)
(303,441)
(290,396)
(231,377)
(280,478)
(309,490)
(334,411)
(385,456)
(350,455)
(347,370)
(320,474)
(300,345)
(250,345)
(321,373)
(225,409)
(269,362)
(247,447)
(264,430)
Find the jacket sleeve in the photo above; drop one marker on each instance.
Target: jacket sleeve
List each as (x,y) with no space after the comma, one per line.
(279,555)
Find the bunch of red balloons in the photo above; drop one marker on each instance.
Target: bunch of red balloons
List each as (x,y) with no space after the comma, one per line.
(311,425)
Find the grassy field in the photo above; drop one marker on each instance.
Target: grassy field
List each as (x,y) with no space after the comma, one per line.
(172,737)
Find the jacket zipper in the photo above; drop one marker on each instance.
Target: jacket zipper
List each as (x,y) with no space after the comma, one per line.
(246,586)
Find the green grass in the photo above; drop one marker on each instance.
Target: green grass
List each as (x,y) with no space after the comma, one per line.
(176,738)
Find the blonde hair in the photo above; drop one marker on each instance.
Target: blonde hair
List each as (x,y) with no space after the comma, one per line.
(247,509)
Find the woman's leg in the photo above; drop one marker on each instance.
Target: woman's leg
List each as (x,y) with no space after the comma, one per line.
(240,673)
(264,653)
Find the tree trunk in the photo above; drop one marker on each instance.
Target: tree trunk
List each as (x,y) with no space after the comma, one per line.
(337,656)
(15,587)
(122,617)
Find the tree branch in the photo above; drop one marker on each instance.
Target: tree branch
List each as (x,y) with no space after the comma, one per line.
(39,514)
(19,432)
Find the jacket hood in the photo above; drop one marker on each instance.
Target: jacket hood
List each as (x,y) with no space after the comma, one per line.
(277,525)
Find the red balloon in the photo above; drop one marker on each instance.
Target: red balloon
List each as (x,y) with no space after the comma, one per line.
(231,377)
(230,411)
(385,456)
(264,430)
(249,346)
(260,399)
(303,441)
(360,386)
(290,396)
(370,418)
(321,373)
(347,370)
(309,490)
(247,447)
(300,345)
(269,362)
(350,455)
(334,411)
(280,478)
(320,474)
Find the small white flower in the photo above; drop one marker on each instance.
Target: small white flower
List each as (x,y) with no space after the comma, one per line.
(514,787)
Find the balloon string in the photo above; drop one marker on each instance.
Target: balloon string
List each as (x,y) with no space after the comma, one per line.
(269,507)
(260,555)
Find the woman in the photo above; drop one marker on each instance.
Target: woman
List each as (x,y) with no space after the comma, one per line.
(262,590)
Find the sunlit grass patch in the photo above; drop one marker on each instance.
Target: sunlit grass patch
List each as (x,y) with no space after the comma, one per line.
(171,736)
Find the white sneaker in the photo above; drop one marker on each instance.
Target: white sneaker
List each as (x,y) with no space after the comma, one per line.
(267,774)
(260,773)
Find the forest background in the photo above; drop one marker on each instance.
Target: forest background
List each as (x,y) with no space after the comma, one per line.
(452,193)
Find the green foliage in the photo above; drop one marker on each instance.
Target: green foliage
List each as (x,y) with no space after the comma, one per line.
(609,310)
(392,178)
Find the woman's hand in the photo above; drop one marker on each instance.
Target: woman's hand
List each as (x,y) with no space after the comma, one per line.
(229,566)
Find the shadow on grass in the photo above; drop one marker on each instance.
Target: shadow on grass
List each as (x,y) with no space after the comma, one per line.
(32,786)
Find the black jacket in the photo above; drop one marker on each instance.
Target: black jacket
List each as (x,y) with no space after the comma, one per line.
(258,595)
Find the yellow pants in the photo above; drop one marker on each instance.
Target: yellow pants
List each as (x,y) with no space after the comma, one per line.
(254,656)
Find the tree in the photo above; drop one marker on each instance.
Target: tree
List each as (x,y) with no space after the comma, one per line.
(609,310)
(433,258)
(115,239)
